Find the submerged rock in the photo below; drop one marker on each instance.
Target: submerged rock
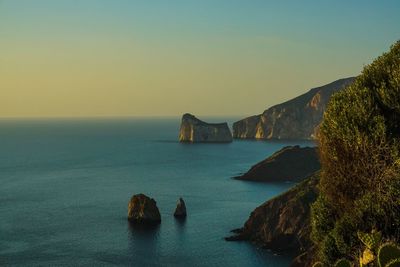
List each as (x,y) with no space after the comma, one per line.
(196,131)
(291,163)
(180,210)
(297,118)
(283,223)
(143,210)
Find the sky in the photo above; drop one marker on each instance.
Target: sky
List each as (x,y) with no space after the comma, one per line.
(84,58)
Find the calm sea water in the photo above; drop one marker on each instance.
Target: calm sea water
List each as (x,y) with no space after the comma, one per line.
(65,185)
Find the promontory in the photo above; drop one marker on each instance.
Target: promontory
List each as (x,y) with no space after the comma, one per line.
(291,163)
(297,118)
(194,130)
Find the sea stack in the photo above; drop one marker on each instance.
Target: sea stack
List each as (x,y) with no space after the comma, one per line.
(143,210)
(194,130)
(180,211)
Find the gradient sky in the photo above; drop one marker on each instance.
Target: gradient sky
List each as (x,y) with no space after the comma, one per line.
(167,57)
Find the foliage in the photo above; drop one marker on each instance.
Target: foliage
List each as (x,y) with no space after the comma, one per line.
(394,263)
(359,143)
(343,263)
(370,240)
(388,253)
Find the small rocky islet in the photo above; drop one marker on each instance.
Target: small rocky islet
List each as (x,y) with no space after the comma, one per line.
(180,211)
(143,210)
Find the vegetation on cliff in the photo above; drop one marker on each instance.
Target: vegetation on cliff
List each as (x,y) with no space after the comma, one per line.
(360,156)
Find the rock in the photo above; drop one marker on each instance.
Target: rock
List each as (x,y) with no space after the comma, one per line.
(143,210)
(194,130)
(180,210)
(297,118)
(291,163)
(283,223)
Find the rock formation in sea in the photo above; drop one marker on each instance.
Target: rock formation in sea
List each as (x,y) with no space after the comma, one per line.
(143,210)
(283,223)
(291,163)
(297,118)
(180,211)
(196,131)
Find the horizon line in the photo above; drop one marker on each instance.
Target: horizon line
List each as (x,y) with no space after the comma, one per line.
(117,116)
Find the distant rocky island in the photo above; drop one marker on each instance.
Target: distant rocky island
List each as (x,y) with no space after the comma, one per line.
(291,163)
(194,130)
(297,118)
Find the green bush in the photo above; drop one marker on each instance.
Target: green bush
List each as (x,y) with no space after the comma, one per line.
(321,219)
(343,263)
(329,253)
(388,253)
(359,144)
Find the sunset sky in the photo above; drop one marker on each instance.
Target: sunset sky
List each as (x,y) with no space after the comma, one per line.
(167,57)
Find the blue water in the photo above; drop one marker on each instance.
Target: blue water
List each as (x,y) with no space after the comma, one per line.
(65,185)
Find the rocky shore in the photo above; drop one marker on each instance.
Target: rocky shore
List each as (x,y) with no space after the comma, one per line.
(283,223)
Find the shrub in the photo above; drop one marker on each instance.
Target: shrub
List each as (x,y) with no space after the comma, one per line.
(359,144)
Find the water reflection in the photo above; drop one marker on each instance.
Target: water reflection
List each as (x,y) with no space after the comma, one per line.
(180,222)
(144,241)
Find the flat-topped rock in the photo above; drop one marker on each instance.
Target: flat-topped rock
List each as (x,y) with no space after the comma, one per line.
(143,210)
(194,130)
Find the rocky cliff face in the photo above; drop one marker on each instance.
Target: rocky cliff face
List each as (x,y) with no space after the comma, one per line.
(196,131)
(295,119)
(292,163)
(283,223)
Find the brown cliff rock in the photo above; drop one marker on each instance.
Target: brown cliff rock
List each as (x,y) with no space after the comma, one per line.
(297,118)
(292,163)
(143,210)
(283,223)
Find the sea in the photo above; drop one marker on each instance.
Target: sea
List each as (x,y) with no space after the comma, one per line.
(65,186)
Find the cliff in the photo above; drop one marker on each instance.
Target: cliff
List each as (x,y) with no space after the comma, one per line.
(297,118)
(292,163)
(283,223)
(196,131)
